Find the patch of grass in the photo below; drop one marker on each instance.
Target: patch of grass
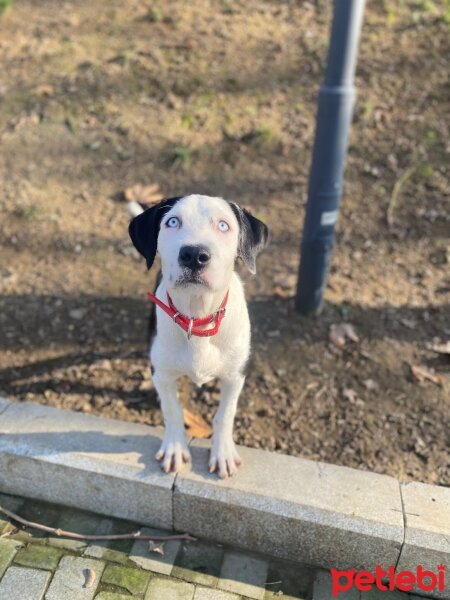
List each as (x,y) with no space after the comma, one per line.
(368,111)
(154,14)
(4,4)
(262,136)
(187,121)
(181,155)
(29,212)
(425,172)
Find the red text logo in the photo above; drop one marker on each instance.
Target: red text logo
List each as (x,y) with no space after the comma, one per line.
(387,580)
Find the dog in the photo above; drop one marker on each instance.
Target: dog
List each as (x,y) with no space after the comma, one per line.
(202,321)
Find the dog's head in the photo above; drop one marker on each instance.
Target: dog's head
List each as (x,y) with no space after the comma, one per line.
(199,239)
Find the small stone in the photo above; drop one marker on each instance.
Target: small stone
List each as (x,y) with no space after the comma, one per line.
(133,580)
(77,313)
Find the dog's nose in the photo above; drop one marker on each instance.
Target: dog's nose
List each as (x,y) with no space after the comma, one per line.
(194,257)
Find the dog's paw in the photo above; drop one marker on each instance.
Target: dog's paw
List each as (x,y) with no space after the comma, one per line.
(224,458)
(173,453)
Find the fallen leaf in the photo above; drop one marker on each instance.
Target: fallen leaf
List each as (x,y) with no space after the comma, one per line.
(144,194)
(197,427)
(281,293)
(90,576)
(156,548)
(423,374)
(339,334)
(440,348)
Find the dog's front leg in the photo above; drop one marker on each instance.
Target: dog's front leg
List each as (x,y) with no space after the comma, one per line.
(224,456)
(174,451)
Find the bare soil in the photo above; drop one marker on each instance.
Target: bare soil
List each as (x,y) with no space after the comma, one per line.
(220,98)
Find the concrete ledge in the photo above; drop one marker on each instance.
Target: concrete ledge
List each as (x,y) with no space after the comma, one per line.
(324,515)
(79,460)
(295,509)
(427,533)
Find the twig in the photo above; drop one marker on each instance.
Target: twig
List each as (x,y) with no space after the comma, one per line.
(79,536)
(396,192)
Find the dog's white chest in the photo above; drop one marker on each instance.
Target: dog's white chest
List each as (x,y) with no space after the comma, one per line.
(203,362)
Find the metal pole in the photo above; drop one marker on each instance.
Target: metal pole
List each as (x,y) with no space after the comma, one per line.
(334,115)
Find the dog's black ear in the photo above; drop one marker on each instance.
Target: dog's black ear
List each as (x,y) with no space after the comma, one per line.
(253,236)
(144,228)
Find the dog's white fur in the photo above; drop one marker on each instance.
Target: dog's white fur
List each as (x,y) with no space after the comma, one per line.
(223,355)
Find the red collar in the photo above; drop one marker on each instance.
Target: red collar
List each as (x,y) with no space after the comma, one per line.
(191,326)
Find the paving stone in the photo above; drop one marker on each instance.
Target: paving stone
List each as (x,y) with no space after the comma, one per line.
(38,556)
(427,532)
(208,594)
(133,580)
(343,516)
(67,543)
(199,563)
(322,589)
(169,589)
(85,461)
(243,574)
(8,549)
(106,554)
(70,577)
(23,584)
(289,580)
(152,561)
(112,596)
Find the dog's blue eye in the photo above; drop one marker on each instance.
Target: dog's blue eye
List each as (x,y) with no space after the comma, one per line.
(223,226)
(173,222)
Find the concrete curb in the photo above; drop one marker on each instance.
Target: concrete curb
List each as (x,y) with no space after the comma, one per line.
(320,514)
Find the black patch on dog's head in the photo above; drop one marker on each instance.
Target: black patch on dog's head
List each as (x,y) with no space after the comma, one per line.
(144,228)
(253,236)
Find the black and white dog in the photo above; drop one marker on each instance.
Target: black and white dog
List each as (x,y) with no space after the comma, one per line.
(203,327)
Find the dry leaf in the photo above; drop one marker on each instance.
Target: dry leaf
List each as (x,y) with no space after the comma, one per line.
(156,548)
(196,425)
(339,334)
(145,194)
(281,293)
(89,575)
(423,374)
(440,348)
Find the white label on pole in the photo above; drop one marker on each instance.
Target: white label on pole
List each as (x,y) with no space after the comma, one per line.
(329,218)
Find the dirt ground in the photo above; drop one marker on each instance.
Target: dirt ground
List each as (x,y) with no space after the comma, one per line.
(220,97)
